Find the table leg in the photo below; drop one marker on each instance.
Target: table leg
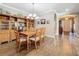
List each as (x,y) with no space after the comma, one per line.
(27,42)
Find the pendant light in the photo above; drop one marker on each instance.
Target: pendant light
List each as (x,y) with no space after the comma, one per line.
(33,15)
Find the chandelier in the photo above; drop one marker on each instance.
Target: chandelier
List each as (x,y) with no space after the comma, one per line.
(33,15)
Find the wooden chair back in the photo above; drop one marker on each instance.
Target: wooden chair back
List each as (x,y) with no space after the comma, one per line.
(38,32)
(42,31)
(17,36)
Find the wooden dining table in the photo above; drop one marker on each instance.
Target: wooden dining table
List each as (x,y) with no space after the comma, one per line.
(28,34)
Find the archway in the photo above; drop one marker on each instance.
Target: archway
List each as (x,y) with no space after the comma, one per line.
(66,24)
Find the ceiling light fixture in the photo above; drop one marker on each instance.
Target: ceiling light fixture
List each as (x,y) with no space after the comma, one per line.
(33,15)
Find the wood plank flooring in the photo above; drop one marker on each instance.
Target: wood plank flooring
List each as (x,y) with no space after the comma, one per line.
(59,46)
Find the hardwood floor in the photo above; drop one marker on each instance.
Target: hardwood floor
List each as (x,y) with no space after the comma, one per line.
(60,46)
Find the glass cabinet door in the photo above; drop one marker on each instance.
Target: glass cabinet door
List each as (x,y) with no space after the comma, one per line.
(4,25)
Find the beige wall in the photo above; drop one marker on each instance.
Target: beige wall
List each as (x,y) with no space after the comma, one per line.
(50,28)
(76,24)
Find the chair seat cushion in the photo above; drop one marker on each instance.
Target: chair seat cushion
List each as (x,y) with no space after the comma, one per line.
(35,39)
(22,39)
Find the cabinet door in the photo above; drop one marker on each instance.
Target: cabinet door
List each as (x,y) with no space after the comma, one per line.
(0,37)
(4,36)
(12,34)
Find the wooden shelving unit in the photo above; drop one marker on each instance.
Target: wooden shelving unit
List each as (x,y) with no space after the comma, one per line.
(4,29)
(7,26)
(30,24)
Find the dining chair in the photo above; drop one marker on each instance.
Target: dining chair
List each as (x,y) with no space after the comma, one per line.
(20,39)
(35,39)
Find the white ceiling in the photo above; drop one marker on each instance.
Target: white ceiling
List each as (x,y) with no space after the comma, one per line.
(41,8)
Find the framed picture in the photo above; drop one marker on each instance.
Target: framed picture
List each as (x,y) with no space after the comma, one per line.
(0,11)
(43,21)
(48,22)
(38,22)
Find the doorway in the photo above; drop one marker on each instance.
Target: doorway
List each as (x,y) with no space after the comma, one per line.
(60,27)
(66,25)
